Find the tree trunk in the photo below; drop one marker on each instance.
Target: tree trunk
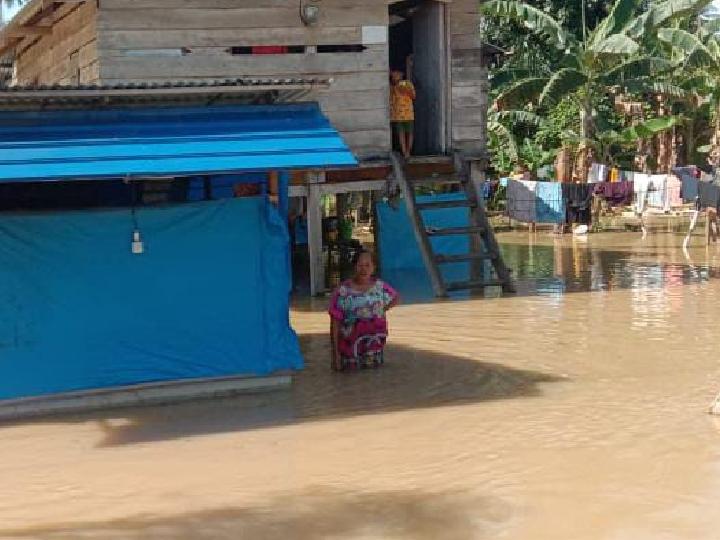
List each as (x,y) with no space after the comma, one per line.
(714,157)
(689,140)
(584,156)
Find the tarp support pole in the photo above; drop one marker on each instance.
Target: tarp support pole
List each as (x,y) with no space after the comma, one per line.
(315,241)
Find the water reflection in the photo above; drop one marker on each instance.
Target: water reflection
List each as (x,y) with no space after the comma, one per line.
(551,267)
(575,409)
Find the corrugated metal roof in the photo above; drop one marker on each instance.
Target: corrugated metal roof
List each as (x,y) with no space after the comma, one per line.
(248,83)
(170,141)
(245,89)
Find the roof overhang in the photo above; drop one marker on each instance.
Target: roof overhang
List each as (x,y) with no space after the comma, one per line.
(35,19)
(244,91)
(152,142)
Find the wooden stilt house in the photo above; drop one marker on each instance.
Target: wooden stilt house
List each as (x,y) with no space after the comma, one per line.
(353,43)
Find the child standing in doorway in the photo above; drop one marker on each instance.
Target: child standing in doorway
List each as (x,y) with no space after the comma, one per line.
(402,110)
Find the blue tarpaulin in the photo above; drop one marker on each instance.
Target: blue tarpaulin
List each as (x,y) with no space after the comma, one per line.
(208,297)
(398,250)
(171,141)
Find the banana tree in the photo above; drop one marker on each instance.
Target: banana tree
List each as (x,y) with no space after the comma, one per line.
(700,53)
(616,148)
(610,56)
(505,150)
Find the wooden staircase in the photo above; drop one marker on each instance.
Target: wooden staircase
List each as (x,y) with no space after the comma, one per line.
(483,245)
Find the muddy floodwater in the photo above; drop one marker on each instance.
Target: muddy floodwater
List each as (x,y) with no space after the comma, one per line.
(573,410)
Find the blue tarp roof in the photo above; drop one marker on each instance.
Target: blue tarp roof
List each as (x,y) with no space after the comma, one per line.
(170,141)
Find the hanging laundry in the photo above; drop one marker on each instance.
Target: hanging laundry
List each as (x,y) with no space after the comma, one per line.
(616,194)
(578,201)
(673,189)
(614,175)
(689,188)
(597,173)
(657,191)
(708,195)
(549,205)
(641,184)
(521,200)
(626,176)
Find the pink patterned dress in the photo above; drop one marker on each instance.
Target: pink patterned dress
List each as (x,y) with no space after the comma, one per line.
(363,326)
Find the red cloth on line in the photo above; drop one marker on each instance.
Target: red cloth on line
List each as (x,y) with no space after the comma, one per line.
(270,49)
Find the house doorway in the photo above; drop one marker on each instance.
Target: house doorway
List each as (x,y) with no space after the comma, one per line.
(418,30)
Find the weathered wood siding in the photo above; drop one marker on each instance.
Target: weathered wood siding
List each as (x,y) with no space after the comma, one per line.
(140,40)
(67,55)
(469,88)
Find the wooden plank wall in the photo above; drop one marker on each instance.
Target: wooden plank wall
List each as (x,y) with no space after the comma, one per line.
(469,87)
(68,55)
(139,40)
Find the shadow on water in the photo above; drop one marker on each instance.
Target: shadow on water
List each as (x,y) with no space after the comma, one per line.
(411,379)
(310,514)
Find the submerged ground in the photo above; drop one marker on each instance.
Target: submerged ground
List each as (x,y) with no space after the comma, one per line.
(574,410)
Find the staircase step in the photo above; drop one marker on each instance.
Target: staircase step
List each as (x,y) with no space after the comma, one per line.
(466,285)
(442,259)
(437,205)
(449,231)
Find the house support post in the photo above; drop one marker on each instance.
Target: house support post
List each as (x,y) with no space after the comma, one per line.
(315,180)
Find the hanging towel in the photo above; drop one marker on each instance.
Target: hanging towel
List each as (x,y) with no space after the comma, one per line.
(549,205)
(641,185)
(597,173)
(521,200)
(657,193)
(689,188)
(616,194)
(673,189)
(708,195)
(578,200)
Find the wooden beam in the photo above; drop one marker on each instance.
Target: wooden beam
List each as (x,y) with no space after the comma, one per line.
(315,238)
(25,22)
(8,43)
(25,31)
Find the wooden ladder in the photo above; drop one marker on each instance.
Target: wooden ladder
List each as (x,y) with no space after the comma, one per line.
(483,244)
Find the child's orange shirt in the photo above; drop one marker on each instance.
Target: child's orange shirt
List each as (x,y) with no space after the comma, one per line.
(402,96)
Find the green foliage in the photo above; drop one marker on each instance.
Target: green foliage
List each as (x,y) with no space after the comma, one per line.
(569,75)
(533,156)
(563,118)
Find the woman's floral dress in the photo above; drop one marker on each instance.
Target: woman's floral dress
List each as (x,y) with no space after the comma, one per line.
(363,326)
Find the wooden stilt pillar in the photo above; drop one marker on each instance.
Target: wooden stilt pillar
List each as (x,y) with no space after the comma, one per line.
(315,240)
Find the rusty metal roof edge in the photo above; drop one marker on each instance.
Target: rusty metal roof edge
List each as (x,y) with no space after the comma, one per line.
(224,86)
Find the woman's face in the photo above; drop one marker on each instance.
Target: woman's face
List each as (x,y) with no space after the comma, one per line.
(364,268)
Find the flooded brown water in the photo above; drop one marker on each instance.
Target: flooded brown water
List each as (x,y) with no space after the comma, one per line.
(574,410)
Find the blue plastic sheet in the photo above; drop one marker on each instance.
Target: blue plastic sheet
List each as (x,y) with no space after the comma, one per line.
(208,297)
(398,250)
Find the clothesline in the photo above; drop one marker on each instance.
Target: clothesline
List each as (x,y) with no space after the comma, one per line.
(552,202)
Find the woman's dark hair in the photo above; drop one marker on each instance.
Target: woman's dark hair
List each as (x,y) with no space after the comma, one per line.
(359,253)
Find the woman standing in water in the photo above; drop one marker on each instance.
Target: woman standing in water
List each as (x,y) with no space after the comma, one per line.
(358,327)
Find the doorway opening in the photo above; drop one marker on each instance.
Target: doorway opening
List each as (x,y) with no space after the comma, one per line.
(418,48)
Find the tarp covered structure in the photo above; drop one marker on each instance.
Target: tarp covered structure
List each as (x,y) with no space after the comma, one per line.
(176,141)
(209,295)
